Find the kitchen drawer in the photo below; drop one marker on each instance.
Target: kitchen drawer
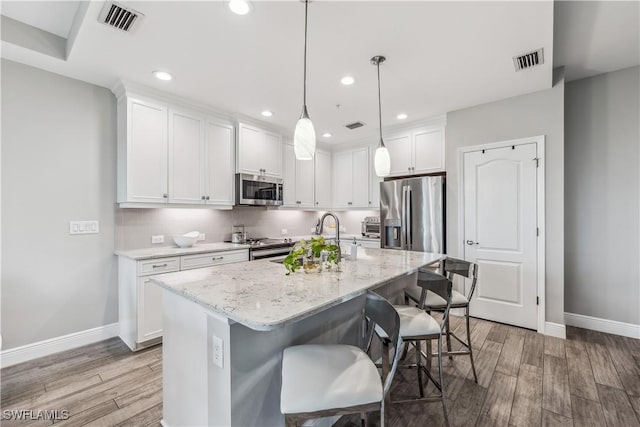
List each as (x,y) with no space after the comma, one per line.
(158,265)
(188,262)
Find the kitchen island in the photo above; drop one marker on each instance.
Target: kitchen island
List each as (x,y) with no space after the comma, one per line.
(225,328)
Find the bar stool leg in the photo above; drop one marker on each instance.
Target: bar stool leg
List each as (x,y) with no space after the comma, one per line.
(429,355)
(444,404)
(473,366)
(448,338)
(289,421)
(418,347)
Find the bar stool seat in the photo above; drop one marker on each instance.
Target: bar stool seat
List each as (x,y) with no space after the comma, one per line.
(321,377)
(414,322)
(434,300)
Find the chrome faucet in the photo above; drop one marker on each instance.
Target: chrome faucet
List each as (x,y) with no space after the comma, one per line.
(320,227)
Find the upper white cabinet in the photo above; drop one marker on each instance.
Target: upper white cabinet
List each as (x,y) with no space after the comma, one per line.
(417,151)
(298,180)
(374,181)
(351,178)
(170,155)
(322,174)
(142,151)
(259,151)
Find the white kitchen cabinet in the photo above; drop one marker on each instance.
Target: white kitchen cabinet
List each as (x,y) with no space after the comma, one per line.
(351,178)
(173,155)
(259,151)
(142,151)
(218,159)
(374,181)
(322,175)
(417,151)
(298,179)
(140,299)
(186,137)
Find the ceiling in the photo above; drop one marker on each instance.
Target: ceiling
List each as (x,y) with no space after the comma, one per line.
(53,16)
(594,37)
(441,56)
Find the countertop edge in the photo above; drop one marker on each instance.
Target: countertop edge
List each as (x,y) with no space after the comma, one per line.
(176,251)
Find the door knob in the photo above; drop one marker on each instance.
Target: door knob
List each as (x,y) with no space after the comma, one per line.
(471,243)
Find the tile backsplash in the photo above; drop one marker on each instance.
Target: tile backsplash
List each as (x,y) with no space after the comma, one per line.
(134,227)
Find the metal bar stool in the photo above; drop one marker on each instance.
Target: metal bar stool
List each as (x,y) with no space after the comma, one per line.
(325,380)
(416,326)
(433,302)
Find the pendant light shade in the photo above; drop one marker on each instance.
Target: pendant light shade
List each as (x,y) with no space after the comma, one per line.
(382,160)
(304,136)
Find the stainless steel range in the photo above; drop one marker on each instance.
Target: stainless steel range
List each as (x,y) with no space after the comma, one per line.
(264,248)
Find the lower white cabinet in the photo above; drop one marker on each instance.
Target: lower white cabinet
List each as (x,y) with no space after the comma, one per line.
(140,299)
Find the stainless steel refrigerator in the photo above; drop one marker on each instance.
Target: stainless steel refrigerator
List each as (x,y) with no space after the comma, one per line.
(412,214)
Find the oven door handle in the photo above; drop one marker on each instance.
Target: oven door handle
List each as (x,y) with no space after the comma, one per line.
(268,253)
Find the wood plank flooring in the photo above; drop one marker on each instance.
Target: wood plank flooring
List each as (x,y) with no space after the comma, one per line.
(524,379)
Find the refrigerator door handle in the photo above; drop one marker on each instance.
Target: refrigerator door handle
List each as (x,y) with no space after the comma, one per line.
(407,208)
(403,219)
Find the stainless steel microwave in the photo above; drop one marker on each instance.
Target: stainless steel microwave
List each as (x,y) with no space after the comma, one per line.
(258,190)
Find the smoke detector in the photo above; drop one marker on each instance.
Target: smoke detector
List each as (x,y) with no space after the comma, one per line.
(118,16)
(529,60)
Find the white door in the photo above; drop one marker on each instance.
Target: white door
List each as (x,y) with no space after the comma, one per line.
(149,309)
(186,133)
(251,149)
(288,175)
(272,155)
(360,180)
(304,183)
(218,159)
(400,153)
(146,152)
(374,181)
(322,179)
(500,232)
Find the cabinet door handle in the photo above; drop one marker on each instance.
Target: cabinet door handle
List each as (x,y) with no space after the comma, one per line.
(350,203)
(165,195)
(207,197)
(159,265)
(203,198)
(317,203)
(217,258)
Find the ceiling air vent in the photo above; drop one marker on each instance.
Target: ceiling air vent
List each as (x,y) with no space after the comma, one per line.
(529,60)
(354,125)
(117,16)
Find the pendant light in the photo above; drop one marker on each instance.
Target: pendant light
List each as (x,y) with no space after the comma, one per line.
(304,137)
(382,161)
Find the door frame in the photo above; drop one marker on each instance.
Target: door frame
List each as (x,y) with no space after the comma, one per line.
(540,214)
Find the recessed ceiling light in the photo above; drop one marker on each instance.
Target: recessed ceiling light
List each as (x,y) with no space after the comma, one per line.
(347,80)
(402,116)
(327,135)
(267,113)
(162,75)
(239,7)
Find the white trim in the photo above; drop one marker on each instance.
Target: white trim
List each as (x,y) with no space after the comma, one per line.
(603,325)
(32,351)
(539,140)
(555,330)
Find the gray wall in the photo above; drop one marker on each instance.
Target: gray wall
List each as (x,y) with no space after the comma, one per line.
(601,209)
(539,113)
(58,164)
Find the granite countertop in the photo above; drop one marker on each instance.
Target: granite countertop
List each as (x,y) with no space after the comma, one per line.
(166,251)
(260,296)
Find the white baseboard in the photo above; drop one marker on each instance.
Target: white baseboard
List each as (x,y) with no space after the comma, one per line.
(28,352)
(603,325)
(555,330)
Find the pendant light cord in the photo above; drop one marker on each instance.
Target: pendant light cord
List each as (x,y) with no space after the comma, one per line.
(379,104)
(304,92)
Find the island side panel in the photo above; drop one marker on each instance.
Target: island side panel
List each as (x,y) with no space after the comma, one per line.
(185,355)
(256,358)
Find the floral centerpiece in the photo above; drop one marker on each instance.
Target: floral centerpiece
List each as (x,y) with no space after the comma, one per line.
(311,255)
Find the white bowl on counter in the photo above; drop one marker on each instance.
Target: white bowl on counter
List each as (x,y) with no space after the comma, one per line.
(186,240)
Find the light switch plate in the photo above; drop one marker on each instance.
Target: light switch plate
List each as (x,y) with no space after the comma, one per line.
(84,227)
(284,231)
(157,239)
(201,237)
(218,352)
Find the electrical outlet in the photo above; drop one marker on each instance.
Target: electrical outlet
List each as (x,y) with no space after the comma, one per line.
(157,239)
(284,232)
(201,237)
(218,352)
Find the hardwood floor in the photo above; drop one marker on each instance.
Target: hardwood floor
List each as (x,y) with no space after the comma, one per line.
(524,379)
